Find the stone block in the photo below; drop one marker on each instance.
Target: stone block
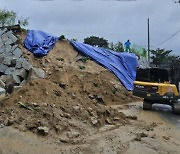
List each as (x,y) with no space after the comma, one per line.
(8,33)
(26,65)
(2,93)
(12,38)
(6,78)
(14,47)
(8,48)
(36,73)
(7,61)
(2,49)
(16,79)
(21,72)
(23,83)
(13,61)
(3,68)
(17,52)
(1,58)
(19,62)
(2,84)
(1,43)
(10,79)
(4,38)
(2,31)
(8,42)
(9,71)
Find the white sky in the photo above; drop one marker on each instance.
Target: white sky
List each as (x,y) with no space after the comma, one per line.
(111,19)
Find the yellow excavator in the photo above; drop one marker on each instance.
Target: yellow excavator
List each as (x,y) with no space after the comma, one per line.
(154,86)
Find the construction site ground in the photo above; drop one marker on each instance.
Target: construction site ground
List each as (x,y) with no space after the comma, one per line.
(80,107)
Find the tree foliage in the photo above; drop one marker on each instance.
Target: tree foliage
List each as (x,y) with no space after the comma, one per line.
(96,41)
(116,47)
(9,18)
(162,57)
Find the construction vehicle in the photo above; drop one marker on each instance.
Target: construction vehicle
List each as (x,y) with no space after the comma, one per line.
(154,86)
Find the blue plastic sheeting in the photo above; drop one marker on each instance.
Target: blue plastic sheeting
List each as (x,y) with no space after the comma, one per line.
(123,65)
(39,42)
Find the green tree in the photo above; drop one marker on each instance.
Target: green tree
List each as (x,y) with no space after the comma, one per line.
(162,57)
(116,47)
(96,41)
(9,18)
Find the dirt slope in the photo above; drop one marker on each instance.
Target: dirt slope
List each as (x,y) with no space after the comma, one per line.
(68,91)
(78,107)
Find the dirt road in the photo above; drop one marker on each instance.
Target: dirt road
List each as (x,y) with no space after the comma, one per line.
(147,132)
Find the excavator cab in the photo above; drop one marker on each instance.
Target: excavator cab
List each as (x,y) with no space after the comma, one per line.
(154,86)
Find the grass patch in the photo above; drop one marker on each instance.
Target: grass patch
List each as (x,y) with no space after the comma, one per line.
(81,67)
(60,59)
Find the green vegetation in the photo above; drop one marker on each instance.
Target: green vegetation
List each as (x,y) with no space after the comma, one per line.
(101,42)
(163,58)
(95,84)
(62,37)
(9,18)
(96,41)
(60,59)
(84,59)
(114,90)
(116,47)
(81,67)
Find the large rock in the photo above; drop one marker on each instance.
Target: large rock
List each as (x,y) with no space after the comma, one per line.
(2,93)
(4,38)
(1,43)
(9,71)
(21,72)
(17,52)
(8,49)
(19,63)
(26,65)
(2,31)
(36,73)
(15,70)
(2,84)
(3,68)
(13,38)
(7,60)
(2,49)
(1,58)
(10,79)
(43,130)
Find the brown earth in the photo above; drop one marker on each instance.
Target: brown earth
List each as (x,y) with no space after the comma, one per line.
(79,107)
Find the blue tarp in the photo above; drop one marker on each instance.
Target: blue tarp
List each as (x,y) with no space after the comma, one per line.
(123,65)
(39,42)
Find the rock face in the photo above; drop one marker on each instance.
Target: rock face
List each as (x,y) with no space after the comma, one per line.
(14,68)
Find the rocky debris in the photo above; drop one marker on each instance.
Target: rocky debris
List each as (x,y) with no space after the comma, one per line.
(99,99)
(1,125)
(8,122)
(73,134)
(15,70)
(2,93)
(43,130)
(140,135)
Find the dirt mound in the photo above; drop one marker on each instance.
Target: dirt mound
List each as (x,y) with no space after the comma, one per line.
(75,95)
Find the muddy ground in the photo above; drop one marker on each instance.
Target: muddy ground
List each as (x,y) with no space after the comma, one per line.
(80,107)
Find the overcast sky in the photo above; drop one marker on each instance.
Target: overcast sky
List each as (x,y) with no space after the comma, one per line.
(111,19)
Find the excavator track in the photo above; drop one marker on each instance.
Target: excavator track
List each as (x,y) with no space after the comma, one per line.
(147,105)
(176,107)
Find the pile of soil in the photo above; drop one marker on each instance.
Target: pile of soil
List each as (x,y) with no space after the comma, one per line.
(73,93)
(79,107)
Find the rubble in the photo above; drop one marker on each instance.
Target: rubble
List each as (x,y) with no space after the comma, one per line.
(43,130)
(14,68)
